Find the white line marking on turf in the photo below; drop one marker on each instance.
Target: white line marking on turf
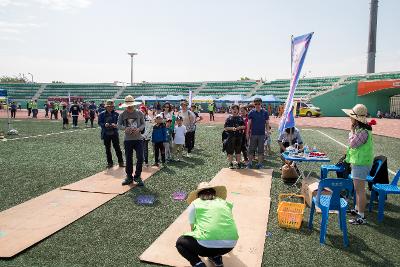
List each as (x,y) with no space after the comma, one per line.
(340,143)
(40,135)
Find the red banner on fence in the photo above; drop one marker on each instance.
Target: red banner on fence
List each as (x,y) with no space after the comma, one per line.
(367,87)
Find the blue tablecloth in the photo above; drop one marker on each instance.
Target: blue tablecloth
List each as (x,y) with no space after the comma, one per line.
(305,159)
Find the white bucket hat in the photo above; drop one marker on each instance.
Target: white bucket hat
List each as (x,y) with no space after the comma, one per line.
(359,112)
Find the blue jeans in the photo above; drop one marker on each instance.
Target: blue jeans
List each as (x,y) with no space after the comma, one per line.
(131,145)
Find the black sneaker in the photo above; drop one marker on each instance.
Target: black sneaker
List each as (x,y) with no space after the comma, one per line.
(217,260)
(138,181)
(358,220)
(231,165)
(110,165)
(121,164)
(353,212)
(127,181)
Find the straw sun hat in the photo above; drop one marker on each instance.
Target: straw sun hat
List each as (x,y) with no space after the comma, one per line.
(220,191)
(359,112)
(129,102)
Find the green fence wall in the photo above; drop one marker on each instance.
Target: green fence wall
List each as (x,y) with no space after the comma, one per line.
(333,102)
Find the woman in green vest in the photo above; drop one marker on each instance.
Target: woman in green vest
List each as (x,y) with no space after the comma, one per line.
(213,229)
(360,155)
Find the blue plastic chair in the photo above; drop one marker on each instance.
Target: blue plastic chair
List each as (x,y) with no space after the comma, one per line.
(331,202)
(383,190)
(325,169)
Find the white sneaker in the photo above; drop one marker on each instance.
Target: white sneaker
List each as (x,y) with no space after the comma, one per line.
(188,155)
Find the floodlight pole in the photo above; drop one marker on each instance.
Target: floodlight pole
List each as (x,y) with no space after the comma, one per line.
(373,18)
(132,54)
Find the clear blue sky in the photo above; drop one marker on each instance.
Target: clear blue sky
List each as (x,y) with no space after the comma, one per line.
(187,40)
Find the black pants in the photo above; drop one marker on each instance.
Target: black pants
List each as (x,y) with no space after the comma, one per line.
(159,148)
(13,113)
(29,112)
(74,121)
(114,139)
(47,113)
(86,120)
(146,151)
(131,145)
(56,114)
(244,148)
(190,249)
(35,112)
(189,141)
(211,116)
(91,121)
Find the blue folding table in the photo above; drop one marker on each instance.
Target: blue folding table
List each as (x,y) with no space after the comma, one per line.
(307,163)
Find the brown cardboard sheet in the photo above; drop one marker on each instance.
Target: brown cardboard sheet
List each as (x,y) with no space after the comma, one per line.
(28,223)
(249,191)
(108,181)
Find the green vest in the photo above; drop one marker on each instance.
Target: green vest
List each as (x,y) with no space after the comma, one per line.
(214,220)
(29,104)
(210,107)
(362,155)
(34,105)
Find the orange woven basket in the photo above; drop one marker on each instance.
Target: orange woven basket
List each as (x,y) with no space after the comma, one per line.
(290,214)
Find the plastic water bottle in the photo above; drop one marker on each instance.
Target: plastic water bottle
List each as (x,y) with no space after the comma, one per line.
(315,149)
(306,150)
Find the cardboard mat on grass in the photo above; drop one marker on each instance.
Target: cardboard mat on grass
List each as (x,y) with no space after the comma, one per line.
(249,191)
(108,181)
(30,222)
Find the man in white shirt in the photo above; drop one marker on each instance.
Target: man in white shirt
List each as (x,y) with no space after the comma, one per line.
(189,120)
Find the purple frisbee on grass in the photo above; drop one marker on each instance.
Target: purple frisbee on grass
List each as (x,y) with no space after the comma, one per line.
(180,196)
(145,200)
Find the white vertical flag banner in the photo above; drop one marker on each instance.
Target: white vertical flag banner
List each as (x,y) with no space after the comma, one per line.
(299,50)
(190,98)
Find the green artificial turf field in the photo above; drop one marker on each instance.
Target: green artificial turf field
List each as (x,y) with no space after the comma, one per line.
(119,231)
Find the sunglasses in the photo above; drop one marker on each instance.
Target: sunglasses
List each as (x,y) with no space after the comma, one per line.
(257,104)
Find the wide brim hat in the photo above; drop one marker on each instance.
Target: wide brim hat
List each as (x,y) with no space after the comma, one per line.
(220,191)
(359,112)
(129,102)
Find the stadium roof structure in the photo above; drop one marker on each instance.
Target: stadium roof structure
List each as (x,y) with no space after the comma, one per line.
(230,98)
(146,98)
(173,98)
(265,98)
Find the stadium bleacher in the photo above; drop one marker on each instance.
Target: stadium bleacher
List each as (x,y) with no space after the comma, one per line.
(20,91)
(218,89)
(160,89)
(306,89)
(89,92)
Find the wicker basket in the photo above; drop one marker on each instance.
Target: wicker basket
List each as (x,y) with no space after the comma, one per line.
(290,214)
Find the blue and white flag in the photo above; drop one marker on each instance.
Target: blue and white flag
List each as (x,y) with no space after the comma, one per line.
(299,50)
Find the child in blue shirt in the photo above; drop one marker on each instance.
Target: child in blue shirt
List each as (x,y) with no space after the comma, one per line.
(159,137)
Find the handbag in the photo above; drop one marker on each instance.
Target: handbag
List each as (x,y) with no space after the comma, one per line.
(289,173)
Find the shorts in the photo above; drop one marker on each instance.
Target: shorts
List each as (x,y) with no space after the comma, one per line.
(360,172)
(234,145)
(256,142)
(65,121)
